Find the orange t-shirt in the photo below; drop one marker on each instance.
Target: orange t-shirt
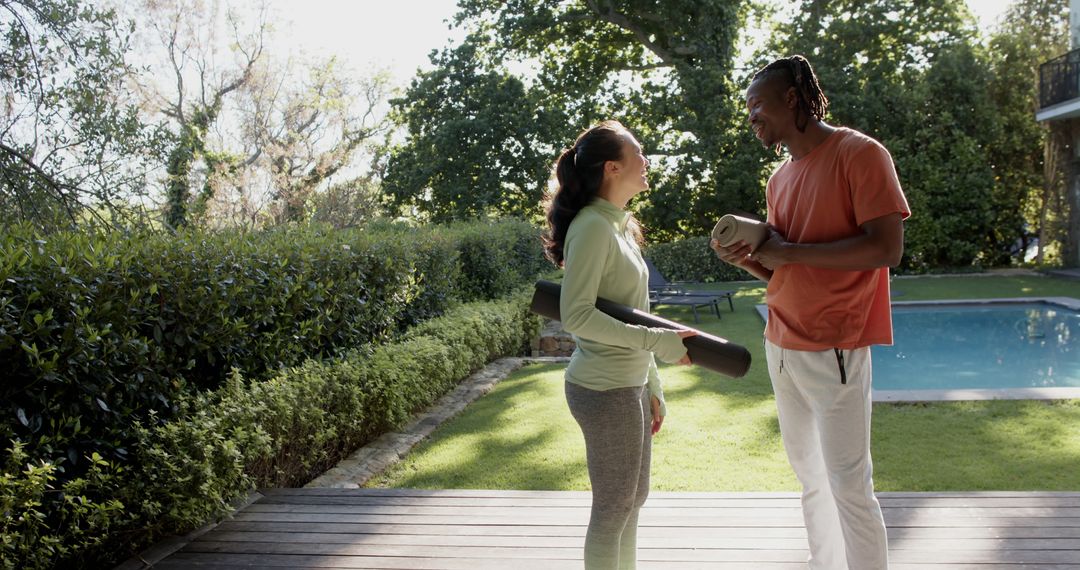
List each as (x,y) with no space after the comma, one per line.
(846,181)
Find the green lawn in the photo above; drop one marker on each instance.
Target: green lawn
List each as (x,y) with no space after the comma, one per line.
(722,435)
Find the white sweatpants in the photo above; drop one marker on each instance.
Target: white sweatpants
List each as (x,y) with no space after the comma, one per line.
(825,425)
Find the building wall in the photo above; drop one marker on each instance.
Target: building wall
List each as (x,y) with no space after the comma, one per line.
(1074,24)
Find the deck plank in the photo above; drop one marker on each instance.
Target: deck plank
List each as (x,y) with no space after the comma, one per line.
(660,501)
(531,530)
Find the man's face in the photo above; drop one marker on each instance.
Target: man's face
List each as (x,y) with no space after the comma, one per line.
(768,111)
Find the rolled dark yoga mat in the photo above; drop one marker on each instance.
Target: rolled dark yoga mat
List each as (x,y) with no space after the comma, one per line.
(706,350)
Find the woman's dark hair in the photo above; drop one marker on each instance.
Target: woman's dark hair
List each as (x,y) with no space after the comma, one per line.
(579,171)
(795,71)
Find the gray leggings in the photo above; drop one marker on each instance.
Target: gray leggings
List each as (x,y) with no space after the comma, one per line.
(618,449)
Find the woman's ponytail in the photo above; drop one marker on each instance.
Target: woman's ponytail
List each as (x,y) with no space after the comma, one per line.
(579,171)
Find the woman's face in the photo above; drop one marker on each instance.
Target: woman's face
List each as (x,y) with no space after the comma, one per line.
(633,167)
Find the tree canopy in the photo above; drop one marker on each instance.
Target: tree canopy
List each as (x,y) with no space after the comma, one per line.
(73,148)
(237,136)
(662,68)
(913,74)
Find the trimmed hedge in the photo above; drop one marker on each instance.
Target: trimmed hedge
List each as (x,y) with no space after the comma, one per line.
(103,332)
(692,259)
(95,329)
(247,434)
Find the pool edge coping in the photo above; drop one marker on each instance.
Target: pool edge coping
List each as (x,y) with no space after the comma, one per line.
(975,394)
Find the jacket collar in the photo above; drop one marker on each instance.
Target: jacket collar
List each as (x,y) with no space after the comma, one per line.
(617,215)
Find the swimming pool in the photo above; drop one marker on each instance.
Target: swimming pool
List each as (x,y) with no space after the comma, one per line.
(984,349)
(980,346)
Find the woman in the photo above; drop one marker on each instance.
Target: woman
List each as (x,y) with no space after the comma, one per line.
(612,386)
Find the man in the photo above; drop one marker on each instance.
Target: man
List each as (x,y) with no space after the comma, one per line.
(836,213)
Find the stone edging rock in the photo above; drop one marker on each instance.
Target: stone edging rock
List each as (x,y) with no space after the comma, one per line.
(373,458)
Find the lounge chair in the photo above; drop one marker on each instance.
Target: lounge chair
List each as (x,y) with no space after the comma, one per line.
(692,301)
(661,287)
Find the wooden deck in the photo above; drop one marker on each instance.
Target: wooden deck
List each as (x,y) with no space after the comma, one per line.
(542,530)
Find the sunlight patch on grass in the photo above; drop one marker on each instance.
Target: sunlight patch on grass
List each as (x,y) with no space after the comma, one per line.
(722,433)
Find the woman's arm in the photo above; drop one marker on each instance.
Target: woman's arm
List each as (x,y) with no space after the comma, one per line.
(589,244)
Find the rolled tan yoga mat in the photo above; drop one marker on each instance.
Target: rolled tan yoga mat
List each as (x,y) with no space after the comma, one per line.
(732,228)
(705,350)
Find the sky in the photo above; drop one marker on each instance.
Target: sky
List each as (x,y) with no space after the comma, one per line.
(396,36)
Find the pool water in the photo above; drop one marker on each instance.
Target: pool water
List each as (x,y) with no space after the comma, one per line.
(944,347)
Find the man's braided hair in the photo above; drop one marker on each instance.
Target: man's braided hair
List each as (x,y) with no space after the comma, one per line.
(796,72)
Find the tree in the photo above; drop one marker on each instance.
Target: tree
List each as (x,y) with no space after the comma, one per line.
(869,54)
(187,32)
(303,133)
(1029,158)
(350,203)
(72,146)
(476,141)
(911,74)
(943,161)
(663,68)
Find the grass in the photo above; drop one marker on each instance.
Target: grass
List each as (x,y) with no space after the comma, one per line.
(722,434)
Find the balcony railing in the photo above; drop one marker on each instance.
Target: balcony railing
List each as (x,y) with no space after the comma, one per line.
(1059,79)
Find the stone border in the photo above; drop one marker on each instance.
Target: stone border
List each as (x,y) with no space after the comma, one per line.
(969,394)
(372,459)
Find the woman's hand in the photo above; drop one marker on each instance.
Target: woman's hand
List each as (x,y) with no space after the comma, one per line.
(736,254)
(685,360)
(657,419)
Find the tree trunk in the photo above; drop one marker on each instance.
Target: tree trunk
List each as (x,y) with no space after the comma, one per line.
(176,190)
(1071,246)
(1051,178)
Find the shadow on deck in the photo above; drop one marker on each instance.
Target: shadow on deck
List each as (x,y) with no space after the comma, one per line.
(534,530)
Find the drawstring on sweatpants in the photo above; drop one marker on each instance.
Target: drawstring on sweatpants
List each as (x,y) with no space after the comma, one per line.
(839,363)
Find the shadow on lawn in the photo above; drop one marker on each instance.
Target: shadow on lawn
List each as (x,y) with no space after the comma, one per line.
(467,453)
(962,446)
(499,462)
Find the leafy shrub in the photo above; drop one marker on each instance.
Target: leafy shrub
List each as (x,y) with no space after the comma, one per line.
(42,524)
(497,258)
(438,275)
(278,432)
(103,332)
(95,328)
(692,259)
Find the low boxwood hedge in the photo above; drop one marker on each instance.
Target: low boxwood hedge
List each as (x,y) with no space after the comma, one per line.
(248,433)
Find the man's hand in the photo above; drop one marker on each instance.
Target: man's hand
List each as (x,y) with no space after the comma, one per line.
(772,253)
(739,255)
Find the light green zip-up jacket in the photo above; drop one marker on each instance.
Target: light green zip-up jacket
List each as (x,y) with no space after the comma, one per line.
(601,259)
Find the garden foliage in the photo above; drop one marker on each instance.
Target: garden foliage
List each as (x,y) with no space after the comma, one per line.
(691,259)
(106,338)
